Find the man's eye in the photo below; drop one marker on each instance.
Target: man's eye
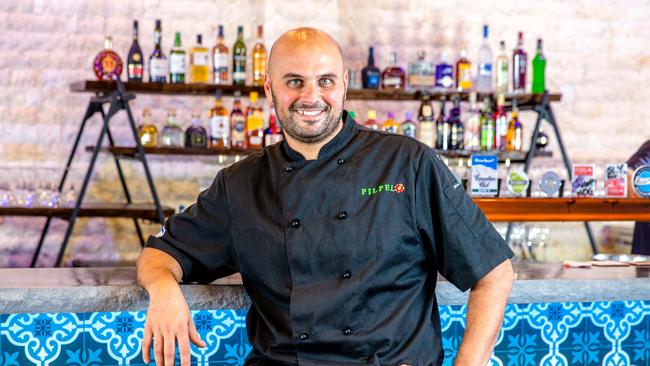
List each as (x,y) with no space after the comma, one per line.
(294,83)
(326,82)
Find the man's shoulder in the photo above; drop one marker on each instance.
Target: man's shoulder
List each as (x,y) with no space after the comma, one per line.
(390,141)
(251,163)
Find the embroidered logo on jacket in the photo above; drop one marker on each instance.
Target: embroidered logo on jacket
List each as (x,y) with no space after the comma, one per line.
(371,191)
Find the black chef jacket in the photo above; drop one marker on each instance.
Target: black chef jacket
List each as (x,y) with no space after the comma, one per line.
(339,254)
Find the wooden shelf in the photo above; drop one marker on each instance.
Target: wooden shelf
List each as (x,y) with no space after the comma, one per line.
(514,156)
(95,86)
(565,209)
(143,211)
(131,151)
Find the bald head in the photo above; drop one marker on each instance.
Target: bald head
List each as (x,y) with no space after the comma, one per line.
(304,40)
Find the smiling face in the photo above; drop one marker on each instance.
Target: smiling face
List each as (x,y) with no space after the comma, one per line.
(307,83)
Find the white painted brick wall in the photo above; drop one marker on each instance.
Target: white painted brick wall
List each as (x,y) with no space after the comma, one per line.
(597,57)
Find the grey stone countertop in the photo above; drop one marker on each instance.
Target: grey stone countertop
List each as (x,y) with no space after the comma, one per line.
(38,290)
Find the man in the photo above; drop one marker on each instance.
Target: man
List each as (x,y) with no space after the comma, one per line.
(338,233)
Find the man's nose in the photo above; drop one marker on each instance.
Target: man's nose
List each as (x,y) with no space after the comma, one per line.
(310,93)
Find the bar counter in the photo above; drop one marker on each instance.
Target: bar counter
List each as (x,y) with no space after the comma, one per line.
(96,316)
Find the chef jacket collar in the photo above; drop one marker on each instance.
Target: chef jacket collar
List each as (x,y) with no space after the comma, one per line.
(335,145)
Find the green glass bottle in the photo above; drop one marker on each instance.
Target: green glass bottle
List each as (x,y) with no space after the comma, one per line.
(177,61)
(539,70)
(239,59)
(487,126)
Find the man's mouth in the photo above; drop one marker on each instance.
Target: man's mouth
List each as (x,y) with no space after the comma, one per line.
(309,112)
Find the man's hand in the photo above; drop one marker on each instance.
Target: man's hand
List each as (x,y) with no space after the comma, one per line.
(168,317)
(169,321)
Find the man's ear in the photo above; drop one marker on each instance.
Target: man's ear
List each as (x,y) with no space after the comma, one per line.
(345,83)
(267,89)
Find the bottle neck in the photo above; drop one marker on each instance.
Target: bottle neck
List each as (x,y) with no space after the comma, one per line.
(135,32)
(177,40)
(371,57)
(157,38)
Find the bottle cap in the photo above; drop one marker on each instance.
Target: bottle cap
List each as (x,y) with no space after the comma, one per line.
(409,115)
(253,96)
(372,114)
(352,115)
(391,115)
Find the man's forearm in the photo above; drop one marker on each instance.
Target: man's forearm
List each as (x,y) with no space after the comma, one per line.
(485,309)
(155,267)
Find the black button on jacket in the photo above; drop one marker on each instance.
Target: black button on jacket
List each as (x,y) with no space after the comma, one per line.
(393,215)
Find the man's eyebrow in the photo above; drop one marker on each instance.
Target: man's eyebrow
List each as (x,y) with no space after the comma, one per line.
(330,75)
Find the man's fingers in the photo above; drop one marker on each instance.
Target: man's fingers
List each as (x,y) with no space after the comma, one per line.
(169,347)
(158,344)
(184,348)
(146,344)
(194,335)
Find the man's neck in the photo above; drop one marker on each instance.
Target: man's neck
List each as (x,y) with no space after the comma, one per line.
(311,150)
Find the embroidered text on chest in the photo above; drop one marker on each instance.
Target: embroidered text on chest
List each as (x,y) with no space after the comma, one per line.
(371,191)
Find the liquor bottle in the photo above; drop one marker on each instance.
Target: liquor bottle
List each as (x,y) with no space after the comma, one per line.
(220,60)
(514,139)
(147,131)
(254,123)
(409,127)
(259,58)
(108,64)
(196,135)
(444,72)
(463,72)
(172,134)
(135,61)
(484,64)
(539,69)
(457,136)
(487,126)
(393,76)
(273,133)
(519,65)
(390,125)
(239,59)
(177,61)
(502,74)
(473,125)
(219,124)
(443,129)
(421,73)
(370,75)
(501,124)
(199,62)
(237,124)
(371,123)
(157,60)
(542,139)
(427,126)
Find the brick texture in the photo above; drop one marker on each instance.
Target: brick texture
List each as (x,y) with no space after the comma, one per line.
(596,50)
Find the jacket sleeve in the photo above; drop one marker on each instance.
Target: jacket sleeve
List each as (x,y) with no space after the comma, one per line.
(199,238)
(454,231)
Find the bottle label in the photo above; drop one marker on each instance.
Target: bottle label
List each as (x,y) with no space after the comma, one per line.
(373,80)
(135,71)
(219,127)
(464,76)
(239,76)
(272,138)
(220,61)
(158,68)
(177,63)
(409,130)
(444,76)
(427,133)
(392,81)
(238,124)
(255,140)
(255,121)
(485,69)
(201,59)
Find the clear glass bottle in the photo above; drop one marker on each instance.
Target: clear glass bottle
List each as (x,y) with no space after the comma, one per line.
(519,66)
(196,135)
(107,64)
(199,62)
(219,124)
(370,75)
(539,70)
(259,58)
(426,125)
(147,131)
(157,59)
(502,69)
(177,61)
(172,134)
(237,124)
(239,59)
(135,61)
(390,125)
(394,76)
(220,60)
(409,127)
(484,64)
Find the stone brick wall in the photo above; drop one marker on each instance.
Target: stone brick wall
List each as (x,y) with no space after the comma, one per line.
(597,58)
